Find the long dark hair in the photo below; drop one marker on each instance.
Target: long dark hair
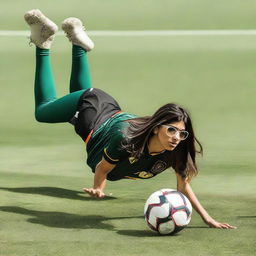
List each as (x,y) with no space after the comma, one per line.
(141,129)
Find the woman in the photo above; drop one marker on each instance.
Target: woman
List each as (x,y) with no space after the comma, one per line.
(119,145)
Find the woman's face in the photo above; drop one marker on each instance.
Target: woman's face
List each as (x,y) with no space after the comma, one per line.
(169,141)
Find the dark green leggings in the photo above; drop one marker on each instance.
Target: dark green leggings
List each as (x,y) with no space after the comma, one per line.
(49,108)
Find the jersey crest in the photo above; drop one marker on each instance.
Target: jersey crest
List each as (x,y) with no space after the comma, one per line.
(158,167)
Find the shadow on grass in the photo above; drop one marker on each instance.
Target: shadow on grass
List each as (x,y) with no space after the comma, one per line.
(143,233)
(75,221)
(138,233)
(196,227)
(65,220)
(56,192)
(149,233)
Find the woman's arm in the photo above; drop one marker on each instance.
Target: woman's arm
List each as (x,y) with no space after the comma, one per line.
(184,187)
(100,177)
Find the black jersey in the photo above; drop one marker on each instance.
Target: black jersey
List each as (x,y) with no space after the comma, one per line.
(107,142)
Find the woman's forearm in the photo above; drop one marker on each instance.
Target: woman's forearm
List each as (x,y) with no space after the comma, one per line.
(184,187)
(101,172)
(100,178)
(187,190)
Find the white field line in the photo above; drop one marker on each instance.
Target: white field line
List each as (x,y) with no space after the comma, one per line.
(146,32)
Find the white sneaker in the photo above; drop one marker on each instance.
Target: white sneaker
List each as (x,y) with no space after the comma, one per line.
(76,34)
(42,28)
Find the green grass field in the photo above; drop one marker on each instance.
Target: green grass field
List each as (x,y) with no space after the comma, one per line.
(42,166)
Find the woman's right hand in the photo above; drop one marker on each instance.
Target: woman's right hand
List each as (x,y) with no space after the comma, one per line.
(101,171)
(94,192)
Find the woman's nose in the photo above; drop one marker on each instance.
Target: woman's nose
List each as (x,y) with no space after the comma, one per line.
(177,136)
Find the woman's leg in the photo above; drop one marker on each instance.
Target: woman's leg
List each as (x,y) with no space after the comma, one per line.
(63,109)
(48,108)
(80,74)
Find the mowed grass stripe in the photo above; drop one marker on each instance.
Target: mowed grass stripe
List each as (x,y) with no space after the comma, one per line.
(220,32)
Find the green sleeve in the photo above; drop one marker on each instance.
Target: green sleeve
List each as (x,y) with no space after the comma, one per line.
(112,152)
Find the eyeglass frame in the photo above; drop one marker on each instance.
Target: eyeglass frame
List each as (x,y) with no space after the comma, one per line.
(176,130)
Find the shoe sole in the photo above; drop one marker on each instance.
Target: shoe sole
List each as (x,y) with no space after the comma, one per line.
(71,23)
(35,17)
(73,27)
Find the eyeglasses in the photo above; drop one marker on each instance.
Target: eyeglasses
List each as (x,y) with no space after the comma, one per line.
(172,131)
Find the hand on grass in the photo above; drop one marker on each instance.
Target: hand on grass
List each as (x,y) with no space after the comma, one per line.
(215,224)
(93,192)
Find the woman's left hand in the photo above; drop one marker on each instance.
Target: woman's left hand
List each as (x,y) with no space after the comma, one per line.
(215,224)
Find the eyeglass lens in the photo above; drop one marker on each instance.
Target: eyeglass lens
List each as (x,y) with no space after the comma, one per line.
(172,131)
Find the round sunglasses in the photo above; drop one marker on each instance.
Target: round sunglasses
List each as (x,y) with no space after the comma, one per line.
(172,131)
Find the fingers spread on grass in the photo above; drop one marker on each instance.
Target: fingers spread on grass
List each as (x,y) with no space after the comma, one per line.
(89,191)
(94,192)
(226,225)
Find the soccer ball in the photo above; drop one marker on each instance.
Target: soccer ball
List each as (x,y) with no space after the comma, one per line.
(167,211)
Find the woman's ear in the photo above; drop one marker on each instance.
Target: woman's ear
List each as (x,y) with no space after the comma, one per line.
(155,131)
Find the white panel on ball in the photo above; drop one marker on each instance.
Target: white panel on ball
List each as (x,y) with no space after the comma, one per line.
(167,211)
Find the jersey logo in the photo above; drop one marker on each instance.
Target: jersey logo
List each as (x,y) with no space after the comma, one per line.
(158,167)
(132,160)
(144,175)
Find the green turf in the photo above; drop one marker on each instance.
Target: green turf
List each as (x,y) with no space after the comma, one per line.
(42,166)
(138,14)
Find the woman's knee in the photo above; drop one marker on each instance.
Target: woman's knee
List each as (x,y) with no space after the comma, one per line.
(40,117)
(42,114)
